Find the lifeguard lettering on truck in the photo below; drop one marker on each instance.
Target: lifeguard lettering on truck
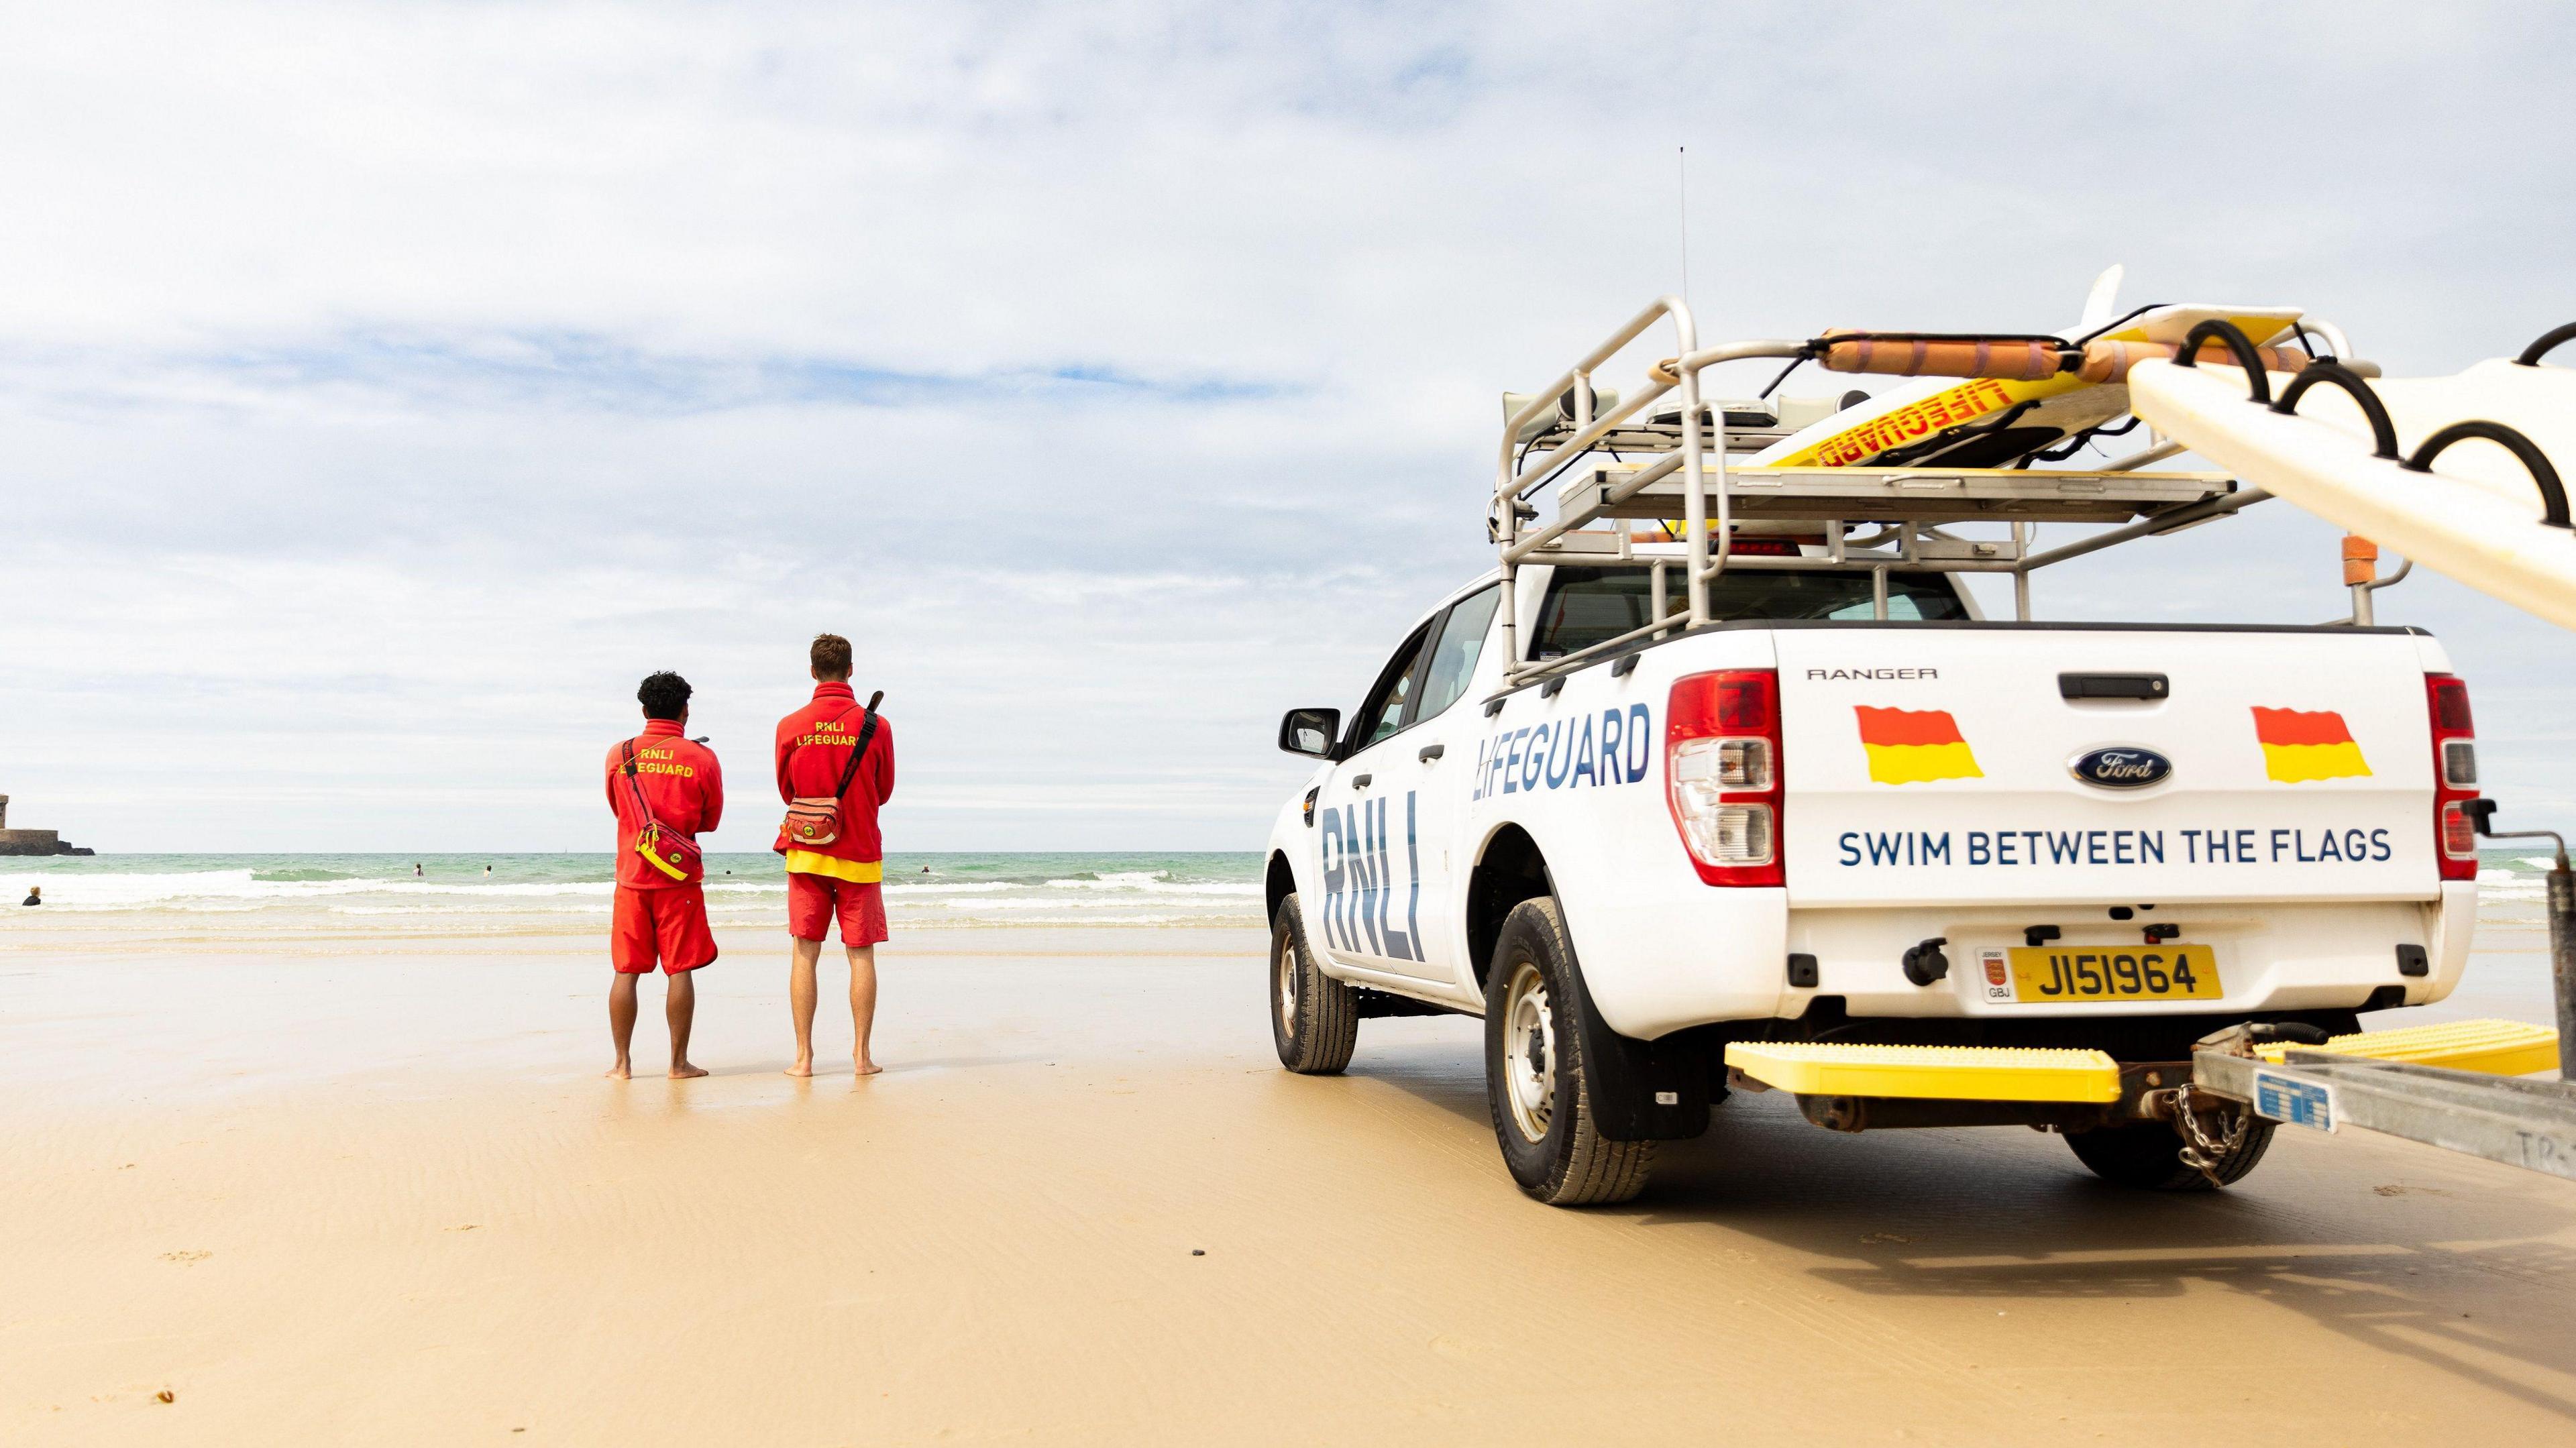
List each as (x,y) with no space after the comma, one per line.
(1815,824)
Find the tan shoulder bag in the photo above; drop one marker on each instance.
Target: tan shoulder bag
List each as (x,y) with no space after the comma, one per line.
(816,819)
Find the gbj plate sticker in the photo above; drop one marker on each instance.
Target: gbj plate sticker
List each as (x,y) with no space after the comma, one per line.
(2300,1103)
(1997,969)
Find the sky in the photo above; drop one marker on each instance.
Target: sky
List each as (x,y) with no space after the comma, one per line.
(384,389)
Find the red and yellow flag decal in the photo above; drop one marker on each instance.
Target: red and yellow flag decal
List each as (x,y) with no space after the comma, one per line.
(2299,746)
(1910,746)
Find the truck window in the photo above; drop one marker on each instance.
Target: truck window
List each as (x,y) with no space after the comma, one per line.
(1453,658)
(1587,605)
(1383,714)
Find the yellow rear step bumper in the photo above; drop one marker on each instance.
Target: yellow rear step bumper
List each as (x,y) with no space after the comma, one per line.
(2014,1073)
(1961,1073)
(2495,1048)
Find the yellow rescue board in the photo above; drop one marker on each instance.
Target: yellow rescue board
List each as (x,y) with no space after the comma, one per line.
(1858,434)
(1949,1073)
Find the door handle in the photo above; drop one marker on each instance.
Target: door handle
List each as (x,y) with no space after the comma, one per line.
(1361,781)
(2148,687)
(1431,752)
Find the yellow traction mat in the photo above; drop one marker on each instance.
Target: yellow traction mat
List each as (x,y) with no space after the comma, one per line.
(1956,1073)
(2498,1048)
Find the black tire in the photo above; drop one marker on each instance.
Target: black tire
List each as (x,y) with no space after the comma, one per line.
(1541,1101)
(1314,1019)
(2149,1156)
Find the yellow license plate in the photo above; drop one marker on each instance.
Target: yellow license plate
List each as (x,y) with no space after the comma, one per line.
(2172,972)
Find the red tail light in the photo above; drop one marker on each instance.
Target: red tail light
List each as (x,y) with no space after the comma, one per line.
(1722,774)
(2455,775)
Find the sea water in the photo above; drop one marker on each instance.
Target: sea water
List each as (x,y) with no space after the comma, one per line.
(546,892)
(543,893)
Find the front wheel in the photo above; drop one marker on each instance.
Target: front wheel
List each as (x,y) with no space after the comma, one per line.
(1314,1019)
(1537,1084)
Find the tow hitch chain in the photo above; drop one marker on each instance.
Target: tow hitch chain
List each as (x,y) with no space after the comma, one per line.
(2201,1151)
(2191,1101)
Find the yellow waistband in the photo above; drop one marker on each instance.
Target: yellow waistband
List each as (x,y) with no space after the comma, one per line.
(861,872)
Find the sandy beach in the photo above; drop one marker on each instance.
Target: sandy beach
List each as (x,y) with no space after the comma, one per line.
(374,1190)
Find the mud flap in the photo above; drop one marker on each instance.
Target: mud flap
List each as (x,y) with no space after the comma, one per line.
(1642,1090)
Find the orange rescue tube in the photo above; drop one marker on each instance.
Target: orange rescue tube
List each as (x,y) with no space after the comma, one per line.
(2019,359)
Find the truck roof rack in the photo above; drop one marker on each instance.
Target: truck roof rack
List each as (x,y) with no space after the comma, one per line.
(1892,495)
(1617,458)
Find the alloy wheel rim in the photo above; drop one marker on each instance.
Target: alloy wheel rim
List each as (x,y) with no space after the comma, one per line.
(1284,971)
(1529,1053)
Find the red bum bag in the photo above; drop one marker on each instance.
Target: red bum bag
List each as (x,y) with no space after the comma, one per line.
(664,848)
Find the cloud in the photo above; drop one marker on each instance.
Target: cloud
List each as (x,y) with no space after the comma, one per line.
(387,386)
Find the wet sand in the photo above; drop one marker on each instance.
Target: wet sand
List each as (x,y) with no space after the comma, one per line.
(376,1192)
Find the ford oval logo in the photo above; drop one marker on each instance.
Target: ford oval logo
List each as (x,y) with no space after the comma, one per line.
(2122,766)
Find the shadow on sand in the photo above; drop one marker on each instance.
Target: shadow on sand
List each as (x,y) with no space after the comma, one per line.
(2365,1237)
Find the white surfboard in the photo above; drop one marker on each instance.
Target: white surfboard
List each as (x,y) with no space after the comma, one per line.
(2475,517)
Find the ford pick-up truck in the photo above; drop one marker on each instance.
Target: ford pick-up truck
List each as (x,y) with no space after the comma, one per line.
(1839,805)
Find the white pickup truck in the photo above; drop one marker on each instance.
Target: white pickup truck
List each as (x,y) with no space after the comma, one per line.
(1828,801)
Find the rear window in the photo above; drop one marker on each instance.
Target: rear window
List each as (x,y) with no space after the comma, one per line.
(1588,605)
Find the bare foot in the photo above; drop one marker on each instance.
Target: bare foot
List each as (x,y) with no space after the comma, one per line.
(618,1072)
(804,1067)
(862,1066)
(682,1070)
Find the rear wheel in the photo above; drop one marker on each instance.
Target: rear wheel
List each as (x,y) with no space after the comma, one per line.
(2149,1156)
(1314,1019)
(1537,1084)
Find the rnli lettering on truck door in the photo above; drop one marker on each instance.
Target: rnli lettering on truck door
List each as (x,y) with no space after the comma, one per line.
(1362,913)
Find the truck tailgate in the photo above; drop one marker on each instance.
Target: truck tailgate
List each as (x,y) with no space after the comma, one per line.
(1931,765)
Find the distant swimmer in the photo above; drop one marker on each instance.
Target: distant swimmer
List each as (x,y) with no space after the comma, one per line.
(35,895)
(665,790)
(415,869)
(835,765)
(487,872)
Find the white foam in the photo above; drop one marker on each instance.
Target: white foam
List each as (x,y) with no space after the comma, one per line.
(203,885)
(1115,880)
(1077,902)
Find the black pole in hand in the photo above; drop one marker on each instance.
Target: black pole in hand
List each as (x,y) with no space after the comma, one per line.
(2562,960)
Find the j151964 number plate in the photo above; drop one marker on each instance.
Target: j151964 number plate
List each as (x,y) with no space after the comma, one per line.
(2049,975)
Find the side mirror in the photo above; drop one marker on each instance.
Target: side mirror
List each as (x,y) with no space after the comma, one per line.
(1310,731)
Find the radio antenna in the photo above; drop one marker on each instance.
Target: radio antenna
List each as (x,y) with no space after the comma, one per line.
(1682,168)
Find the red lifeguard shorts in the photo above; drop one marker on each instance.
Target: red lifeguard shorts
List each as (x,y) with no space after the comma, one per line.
(814,901)
(665,927)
